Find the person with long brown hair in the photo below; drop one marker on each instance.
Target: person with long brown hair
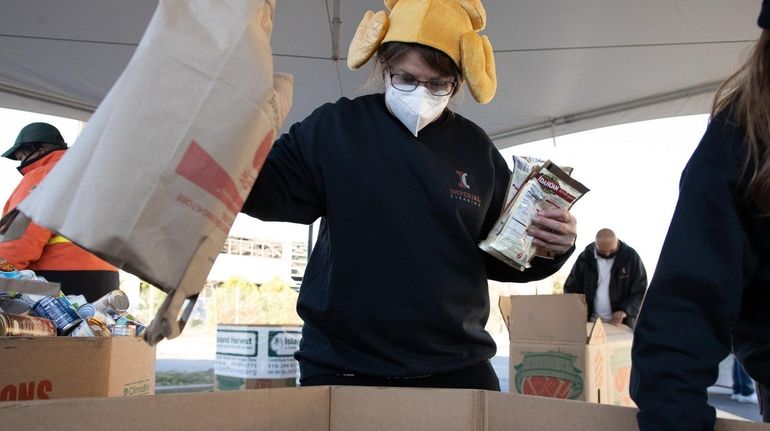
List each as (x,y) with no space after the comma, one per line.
(710,294)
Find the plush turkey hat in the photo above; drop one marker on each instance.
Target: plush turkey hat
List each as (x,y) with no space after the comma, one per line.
(451,26)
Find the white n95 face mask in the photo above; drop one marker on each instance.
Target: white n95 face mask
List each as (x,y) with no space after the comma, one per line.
(416,109)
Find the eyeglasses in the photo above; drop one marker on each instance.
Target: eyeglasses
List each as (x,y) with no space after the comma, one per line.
(408,83)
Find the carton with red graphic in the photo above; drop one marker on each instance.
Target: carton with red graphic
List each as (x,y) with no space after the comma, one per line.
(555,353)
(41,368)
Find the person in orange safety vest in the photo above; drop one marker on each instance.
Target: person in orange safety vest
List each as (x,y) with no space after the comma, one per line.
(39,147)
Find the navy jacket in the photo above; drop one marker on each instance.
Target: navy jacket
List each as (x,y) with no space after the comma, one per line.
(628,280)
(396,285)
(710,292)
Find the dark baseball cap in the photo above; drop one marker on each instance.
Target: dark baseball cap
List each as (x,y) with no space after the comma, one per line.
(36,133)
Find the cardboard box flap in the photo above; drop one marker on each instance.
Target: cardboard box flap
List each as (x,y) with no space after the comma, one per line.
(361,408)
(322,408)
(131,368)
(618,333)
(29,286)
(596,333)
(301,409)
(545,318)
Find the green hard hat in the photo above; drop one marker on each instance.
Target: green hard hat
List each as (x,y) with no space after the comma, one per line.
(36,133)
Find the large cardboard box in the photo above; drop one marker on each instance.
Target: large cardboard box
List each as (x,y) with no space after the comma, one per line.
(555,353)
(41,368)
(326,408)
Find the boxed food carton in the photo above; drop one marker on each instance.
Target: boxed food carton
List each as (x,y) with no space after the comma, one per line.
(41,368)
(256,356)
(555,352)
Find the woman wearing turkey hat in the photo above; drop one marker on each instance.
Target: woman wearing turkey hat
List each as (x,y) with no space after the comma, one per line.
(711,290)
(395,292)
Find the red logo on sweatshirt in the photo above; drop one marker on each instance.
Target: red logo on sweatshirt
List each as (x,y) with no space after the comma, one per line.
(463,192)
(463,180)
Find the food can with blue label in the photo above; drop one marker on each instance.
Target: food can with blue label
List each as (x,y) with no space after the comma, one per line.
(87,311)
(60,311)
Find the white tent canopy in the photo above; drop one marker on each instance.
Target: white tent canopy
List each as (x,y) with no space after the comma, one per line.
(563,66)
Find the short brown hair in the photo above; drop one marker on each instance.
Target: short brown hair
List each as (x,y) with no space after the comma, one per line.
(436,59)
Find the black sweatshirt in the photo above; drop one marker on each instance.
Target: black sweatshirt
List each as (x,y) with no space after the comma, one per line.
(710,291)
(396,285)
(628,280)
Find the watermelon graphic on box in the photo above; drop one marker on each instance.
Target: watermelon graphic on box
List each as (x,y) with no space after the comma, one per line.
(549,374)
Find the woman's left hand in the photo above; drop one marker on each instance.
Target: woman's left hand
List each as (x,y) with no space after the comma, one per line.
(553,228)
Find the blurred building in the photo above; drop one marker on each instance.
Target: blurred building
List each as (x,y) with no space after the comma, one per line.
(260,251)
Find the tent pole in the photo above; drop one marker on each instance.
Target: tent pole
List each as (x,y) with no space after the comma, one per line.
(48,98)
(336,30)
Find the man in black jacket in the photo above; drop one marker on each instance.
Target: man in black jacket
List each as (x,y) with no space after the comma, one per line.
(612,277)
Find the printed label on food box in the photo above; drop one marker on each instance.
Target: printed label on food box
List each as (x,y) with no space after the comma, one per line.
(549,374)
(251,352)
(139,387)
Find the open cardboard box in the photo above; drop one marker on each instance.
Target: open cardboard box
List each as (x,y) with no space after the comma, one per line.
(324,408)
(555,353)
(39,368)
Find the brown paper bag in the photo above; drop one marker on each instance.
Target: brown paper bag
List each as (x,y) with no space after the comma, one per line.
(157,177)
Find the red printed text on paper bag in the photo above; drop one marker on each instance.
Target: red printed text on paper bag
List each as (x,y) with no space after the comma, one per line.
(201,169)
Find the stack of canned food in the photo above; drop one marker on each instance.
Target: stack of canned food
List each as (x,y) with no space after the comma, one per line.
(31,315)
(7,270)
(38,316)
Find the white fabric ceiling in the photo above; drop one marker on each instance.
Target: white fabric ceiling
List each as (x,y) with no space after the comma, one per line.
(563,65)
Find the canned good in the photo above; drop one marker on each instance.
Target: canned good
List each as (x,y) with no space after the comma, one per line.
(124,331)
(82,330)
(60,311)
(9,274)
(12,325)
(26,274)
(31,299)
(116,300)
(128,319)
(6,266)
(89,311)
(99,328)
(14,306)
(77,301)
(86,310)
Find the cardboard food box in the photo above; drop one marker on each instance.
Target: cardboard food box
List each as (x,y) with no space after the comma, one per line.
(324,408)
(41,368)
(256,356)
(555,353)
